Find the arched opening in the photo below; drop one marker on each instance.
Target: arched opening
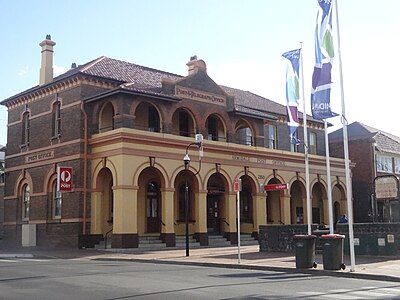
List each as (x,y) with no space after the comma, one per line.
(318,194)
(104,184)
(149,200)
(243,133)
(274,215)
(338,195)
(106,121)
(26,200)
(297,194)
(183,179)
(247,195)
(183,123)
(336,211)
(217,187)
(147,117)
(215,128)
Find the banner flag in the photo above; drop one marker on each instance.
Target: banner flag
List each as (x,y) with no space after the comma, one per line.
(324,53)
(292,92)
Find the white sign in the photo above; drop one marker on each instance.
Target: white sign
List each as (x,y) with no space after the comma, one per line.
(356,242)
(390,238)
(381,242)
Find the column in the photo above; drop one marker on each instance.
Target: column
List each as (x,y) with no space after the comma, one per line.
(167,217)
(125,233)
(200,200)
(285,209)
(325,211)
(259,212)
(230,212)
(96,221)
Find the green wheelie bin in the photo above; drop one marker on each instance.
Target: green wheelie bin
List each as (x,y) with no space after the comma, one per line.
(305,251)
(332,255)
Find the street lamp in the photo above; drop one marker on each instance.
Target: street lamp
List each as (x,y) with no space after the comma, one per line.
(186,161)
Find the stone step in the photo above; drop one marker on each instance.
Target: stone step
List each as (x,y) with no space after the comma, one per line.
(191,244)
(152,246)
(149,238)
(143,242)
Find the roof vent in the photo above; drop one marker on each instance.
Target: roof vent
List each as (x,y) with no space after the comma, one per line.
(73,66)
(196,64)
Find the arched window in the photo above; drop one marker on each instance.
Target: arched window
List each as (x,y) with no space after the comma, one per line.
(153,207)
(56,202)
(106,122)
(56,119)
(215,129)
(154,119)
(26,198)
(25,129)
(147,117)
(243,134)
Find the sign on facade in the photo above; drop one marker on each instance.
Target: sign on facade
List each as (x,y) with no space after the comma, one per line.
(276,187)
(237,185)
(386,187)
(64,179)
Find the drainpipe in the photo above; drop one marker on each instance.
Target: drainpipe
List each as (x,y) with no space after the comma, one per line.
(84,168)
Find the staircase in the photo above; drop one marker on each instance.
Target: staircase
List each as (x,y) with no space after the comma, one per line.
(151,243)
(247,240)
(218,241)
(180,242)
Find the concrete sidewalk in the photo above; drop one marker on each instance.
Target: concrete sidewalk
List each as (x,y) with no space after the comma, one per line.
(367,267)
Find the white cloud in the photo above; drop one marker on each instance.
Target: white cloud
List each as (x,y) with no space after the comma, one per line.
(22,72)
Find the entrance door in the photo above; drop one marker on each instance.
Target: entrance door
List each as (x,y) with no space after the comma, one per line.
(153,208)
(213,214)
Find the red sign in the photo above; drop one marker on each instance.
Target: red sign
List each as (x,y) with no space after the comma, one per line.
(237,185)
(64,177)
(276,187)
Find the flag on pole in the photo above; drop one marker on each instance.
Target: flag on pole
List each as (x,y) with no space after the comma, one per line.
(292,92)
(324,53)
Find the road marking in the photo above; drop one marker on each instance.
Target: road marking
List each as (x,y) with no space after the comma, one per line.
(374,294)
(340,296)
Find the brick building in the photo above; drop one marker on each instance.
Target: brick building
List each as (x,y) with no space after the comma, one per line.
(124,129)
(374,153)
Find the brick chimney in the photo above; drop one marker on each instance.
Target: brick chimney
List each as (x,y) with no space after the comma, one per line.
(195,65)
(46,66)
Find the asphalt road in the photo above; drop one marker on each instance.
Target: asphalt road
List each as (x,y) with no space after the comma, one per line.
(85,279)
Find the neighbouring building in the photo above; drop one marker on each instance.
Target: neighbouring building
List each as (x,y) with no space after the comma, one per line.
(374,153)
(124,129)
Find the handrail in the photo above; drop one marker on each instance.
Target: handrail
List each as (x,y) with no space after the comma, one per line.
(105,238)
(224,220)
(162,222)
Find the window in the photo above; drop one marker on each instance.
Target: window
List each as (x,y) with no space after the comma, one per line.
(384,164)
(272,137)
(56,115)
(26,198)
(397,165)
(313,143)
(154,120)
(212,129)
(25,129)
(294,147)
(56,202)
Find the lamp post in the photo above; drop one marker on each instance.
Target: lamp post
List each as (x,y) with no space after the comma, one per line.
(186,161)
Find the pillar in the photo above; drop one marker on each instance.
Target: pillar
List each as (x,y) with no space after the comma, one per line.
(326,211)
(230,212)
(285,209)
(259,212)
(125,234)
(96,220)
(167,217)
(200,199)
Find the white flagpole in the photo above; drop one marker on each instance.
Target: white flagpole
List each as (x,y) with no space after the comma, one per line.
(328,178)
(309,213)
(349,192)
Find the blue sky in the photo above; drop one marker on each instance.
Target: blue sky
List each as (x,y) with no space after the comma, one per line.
(241,42)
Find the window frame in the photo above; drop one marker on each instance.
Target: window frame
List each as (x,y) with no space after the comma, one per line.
(25,202)
(272,143)
(379,163)
(312,147)
(56,202)
(397,165)
(56,119)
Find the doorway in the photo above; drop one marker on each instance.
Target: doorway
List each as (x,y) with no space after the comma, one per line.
(213,214)
(153,208)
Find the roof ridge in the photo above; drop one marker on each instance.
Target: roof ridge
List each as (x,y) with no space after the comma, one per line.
(90,65)
(144,67)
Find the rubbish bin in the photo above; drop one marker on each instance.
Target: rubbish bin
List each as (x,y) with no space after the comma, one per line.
(305,251)
(332,255)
